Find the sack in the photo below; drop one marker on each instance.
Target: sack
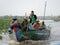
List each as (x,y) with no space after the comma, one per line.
(30,27)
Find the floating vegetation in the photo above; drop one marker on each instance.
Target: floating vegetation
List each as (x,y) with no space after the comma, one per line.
(0,37)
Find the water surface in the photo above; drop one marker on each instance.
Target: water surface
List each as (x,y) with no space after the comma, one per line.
(54,39)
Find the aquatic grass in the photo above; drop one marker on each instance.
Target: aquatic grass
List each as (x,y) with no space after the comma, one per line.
(57,19)
(0,37)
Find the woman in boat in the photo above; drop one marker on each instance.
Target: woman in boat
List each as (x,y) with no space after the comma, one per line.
(25,24)
(32,17)
(36,25)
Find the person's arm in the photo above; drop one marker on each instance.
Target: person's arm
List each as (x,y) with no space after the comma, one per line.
(34,25)
(11,23)
(30,18)
(35,16)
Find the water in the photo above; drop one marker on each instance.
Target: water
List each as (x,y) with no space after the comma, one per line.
(54,39)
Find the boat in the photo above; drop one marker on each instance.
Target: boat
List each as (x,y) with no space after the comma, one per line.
(37,34)
(19,35)
(33,34)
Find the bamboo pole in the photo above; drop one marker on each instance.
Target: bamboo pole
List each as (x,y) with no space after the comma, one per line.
(44,10)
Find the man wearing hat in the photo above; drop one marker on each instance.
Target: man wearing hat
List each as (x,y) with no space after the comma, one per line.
(25,24)
(15,22)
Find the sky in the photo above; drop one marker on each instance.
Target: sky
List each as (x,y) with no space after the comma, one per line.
(20,7)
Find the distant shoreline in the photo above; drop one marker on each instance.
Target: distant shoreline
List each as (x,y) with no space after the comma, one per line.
(55,18)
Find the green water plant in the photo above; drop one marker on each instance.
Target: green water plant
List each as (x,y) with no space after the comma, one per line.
(0,37)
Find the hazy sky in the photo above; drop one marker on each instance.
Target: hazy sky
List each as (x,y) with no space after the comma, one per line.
(19,7)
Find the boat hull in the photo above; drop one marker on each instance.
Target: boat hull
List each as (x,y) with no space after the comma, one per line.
(37,34)
(32,35)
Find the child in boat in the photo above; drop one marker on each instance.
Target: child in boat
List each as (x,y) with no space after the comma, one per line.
(36,25)
(25,24)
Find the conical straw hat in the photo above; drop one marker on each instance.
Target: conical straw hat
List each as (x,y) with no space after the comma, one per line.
(37,19)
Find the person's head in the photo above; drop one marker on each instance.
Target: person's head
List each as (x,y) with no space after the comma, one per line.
(15,18)
(32,12)
(43,23)
(25,19)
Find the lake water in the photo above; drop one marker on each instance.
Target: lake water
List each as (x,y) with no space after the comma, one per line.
(54,38)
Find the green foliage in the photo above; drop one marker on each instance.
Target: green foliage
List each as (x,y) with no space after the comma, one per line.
(0,37)
(4,24)
(57,19)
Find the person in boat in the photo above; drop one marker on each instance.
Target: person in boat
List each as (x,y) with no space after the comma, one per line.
(36,25)
(30,27)
(25,24)
(32,17)
(15,23)
(43,26)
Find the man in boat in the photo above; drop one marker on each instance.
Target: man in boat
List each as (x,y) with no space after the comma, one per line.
(16,27)
(12,23)
(36,25)
(32,17)
(15,23)
(25,24)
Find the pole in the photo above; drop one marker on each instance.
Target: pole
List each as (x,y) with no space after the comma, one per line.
(44,10)
(25,14)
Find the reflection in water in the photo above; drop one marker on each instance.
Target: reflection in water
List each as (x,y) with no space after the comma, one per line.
(42,43)
(54,40)
(36,43)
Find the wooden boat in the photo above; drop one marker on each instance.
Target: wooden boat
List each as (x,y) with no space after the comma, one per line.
(37,34)
(32,34)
